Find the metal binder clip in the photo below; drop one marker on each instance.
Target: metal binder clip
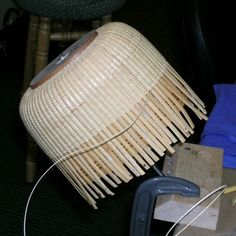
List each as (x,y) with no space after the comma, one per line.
(146,195)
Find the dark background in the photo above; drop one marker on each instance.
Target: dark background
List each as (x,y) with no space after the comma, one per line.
(197,39)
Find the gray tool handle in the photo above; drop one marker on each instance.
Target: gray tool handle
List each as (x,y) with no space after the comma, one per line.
(146,195)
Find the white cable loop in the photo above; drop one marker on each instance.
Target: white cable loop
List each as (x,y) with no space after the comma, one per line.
(223,187)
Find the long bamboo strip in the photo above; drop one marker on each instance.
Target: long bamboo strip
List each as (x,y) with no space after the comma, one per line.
(170,111)
(177,104)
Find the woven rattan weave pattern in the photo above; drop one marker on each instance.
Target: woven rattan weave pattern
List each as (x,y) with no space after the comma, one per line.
(113,110)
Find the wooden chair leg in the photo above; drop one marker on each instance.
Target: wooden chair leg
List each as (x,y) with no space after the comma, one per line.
(28,75)
(99,22)
(41,60)
(31,156)
(30,51)
(106,19)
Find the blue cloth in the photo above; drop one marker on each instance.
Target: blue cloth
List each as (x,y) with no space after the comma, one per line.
(220,129)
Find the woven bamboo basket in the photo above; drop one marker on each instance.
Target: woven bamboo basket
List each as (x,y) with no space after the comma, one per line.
(107,109)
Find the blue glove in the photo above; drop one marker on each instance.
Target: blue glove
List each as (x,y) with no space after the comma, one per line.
(220,129)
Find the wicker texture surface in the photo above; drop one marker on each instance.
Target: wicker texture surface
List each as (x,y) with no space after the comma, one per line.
(113,110)
(71,9)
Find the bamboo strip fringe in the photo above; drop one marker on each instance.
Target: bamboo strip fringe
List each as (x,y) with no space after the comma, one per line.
(112,112)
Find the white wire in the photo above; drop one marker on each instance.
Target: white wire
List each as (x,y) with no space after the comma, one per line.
(78,153)
(54,164)
(31,193)
(223,187)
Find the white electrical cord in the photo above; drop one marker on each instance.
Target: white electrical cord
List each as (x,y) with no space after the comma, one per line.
(57,162)
(222,188)
(78,153)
